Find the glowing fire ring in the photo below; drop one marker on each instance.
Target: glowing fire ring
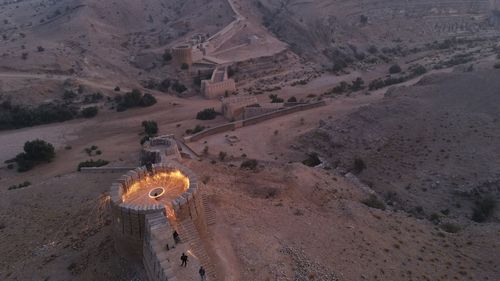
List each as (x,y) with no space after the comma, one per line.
(156,193)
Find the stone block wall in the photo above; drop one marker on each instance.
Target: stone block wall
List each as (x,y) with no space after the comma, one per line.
(182,54)
(216,89)
(158,240)
(128,219)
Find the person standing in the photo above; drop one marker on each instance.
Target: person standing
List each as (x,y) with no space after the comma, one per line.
(202,273)
(184,259)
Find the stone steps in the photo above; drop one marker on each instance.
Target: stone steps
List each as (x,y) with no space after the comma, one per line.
(189,234)
(209,211)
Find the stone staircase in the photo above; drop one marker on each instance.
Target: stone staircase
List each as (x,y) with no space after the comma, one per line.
(209,211)
(189,234)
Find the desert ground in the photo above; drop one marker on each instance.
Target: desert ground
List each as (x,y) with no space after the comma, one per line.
(427,135)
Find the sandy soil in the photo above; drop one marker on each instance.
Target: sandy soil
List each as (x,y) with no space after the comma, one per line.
(282,221)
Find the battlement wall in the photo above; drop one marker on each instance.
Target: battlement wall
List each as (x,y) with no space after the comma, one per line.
(158,241)
(129,219)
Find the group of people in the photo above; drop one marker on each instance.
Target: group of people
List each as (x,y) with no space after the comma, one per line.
(201,271)
(184,257)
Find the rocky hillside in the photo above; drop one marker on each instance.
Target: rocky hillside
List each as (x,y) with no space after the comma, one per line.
(429,149)
(89,37)
(320,29)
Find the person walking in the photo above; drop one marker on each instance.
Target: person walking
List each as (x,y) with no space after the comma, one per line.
(176,237)
(202,273)
(184,259)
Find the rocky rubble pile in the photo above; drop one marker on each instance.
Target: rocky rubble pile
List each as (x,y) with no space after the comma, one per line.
(305,269)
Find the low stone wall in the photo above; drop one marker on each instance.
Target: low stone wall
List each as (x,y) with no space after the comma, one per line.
(128,219)
(250,112)
(251,121)
(282,112)
(209,132)
(158,240)
(105,169)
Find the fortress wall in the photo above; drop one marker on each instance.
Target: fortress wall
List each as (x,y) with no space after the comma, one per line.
(182,54)
(189,205)
(251,112)
(282,112)
(209,132)
(157,236)
(218,39)
(216,89)
(251,121)
(128,220)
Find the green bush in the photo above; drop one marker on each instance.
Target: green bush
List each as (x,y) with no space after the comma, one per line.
(483,209)
(184,66)
(372,49)
(39,150)
(90,112)
(150,127)
(167,56)
(206,114)
(359,165)
(21,185)
(92,163)
(250,164)
(275,99)
(451,227)
(292,99)
(197,129)
(178,87)
(312,160)
(374,202)
(134,99)
(395,69)
(222,155)
(35,152)
(147,100)
(16,116)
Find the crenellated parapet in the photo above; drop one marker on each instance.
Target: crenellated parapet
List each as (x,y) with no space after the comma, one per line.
(131,201)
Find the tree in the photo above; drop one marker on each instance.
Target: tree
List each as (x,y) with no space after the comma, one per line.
(363,19)
(292,99)
(395,69)
(150,127)
(250,164)
(206,114)
(89,112)
(178,87)
(147,100)
(131,99)
(275,99)
(359,165)
(357,84)
(372,49)
(39,150)
(167,56)
(34,152)
(483,209)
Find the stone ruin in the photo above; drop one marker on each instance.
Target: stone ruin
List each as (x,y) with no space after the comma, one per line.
(160,149)
(219,84)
